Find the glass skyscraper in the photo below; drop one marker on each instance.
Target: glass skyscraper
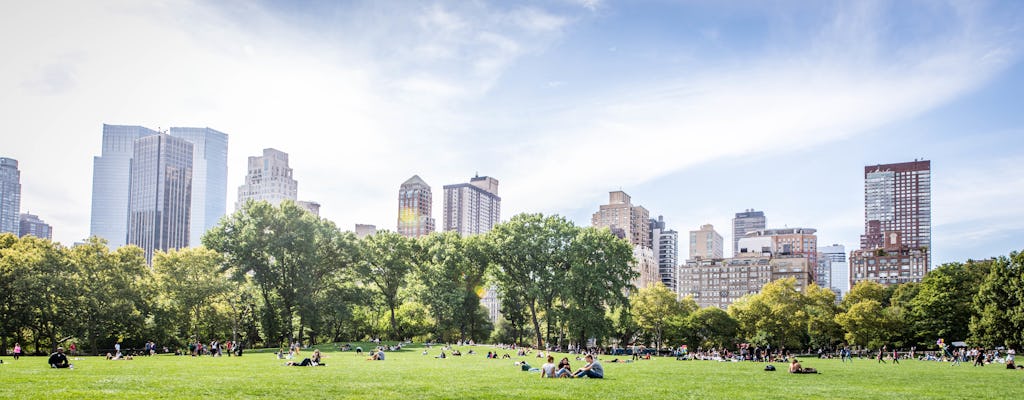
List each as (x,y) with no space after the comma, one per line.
(209,178)
(109,219)
(10,196)
(160,194)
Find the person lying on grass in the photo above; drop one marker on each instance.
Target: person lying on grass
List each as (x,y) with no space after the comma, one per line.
(313,361)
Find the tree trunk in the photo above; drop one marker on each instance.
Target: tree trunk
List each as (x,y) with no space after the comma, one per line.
(394,324)
(536,323)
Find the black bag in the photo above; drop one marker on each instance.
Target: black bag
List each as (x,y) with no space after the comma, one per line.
(769,367)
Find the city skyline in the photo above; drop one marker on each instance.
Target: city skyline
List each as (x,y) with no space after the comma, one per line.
(522,91)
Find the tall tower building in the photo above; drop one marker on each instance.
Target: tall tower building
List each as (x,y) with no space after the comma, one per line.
(415,208)
(623,218)
(209,177)
(160,194)
(32,225)
(110,181)
(898,198)
(833,259)
(10,196)
(745,222)
(665,244)
(472,208)
(706,243)
(269,178)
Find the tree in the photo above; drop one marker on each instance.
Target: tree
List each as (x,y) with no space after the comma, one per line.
(190,282)
(652,308)
(711,327)
(114,291)
(865,290)
(864,323)
(387,259)
(943,305)
(290,253)
(820,306)
(531,260)
(450,279)
(998,318)
(600,268)
(774,316)
(44,298)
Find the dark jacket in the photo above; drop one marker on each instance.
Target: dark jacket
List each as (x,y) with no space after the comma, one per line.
(58,360)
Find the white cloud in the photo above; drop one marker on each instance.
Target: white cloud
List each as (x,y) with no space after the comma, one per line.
(369,97)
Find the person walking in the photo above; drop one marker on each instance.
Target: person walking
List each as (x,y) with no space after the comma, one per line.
(881,355)
(17,350)
(895,357)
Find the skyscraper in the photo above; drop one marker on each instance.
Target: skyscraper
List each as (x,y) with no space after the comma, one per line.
(415,208)
(269,178)
(833,259)
(209,177)
(32,225)
(619,215)
(745,222)
(706,243)
(472,208)
(10,195)
(160,194)
(665,244)
(898,198)
(110,182)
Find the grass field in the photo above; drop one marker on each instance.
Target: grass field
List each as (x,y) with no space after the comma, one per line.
(410,375)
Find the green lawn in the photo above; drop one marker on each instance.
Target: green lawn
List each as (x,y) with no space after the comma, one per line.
(410,375)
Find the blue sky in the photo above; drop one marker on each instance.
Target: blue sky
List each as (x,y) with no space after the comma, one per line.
(697,109)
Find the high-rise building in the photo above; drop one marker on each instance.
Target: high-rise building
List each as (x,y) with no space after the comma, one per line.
(783,241)
(160,194)
(892,264)
(32,225)
(110,183)
(646,267)
(364,230)
(269,178)
(665,244)
(209,177)
(472,208)
(744,222)
(720,282)
(620,214)
(10,196)
(415,208)
(833,260)
(706,243)
(898,198)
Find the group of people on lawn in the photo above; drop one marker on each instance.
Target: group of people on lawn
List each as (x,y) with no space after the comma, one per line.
(592,369)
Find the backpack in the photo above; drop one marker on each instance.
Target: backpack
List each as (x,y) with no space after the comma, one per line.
(769,367)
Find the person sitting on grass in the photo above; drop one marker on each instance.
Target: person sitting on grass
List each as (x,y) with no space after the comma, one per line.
(593,369)
(548,369)
(564,370)
(442,355)
(58,359)
(796,368)
(378,356)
